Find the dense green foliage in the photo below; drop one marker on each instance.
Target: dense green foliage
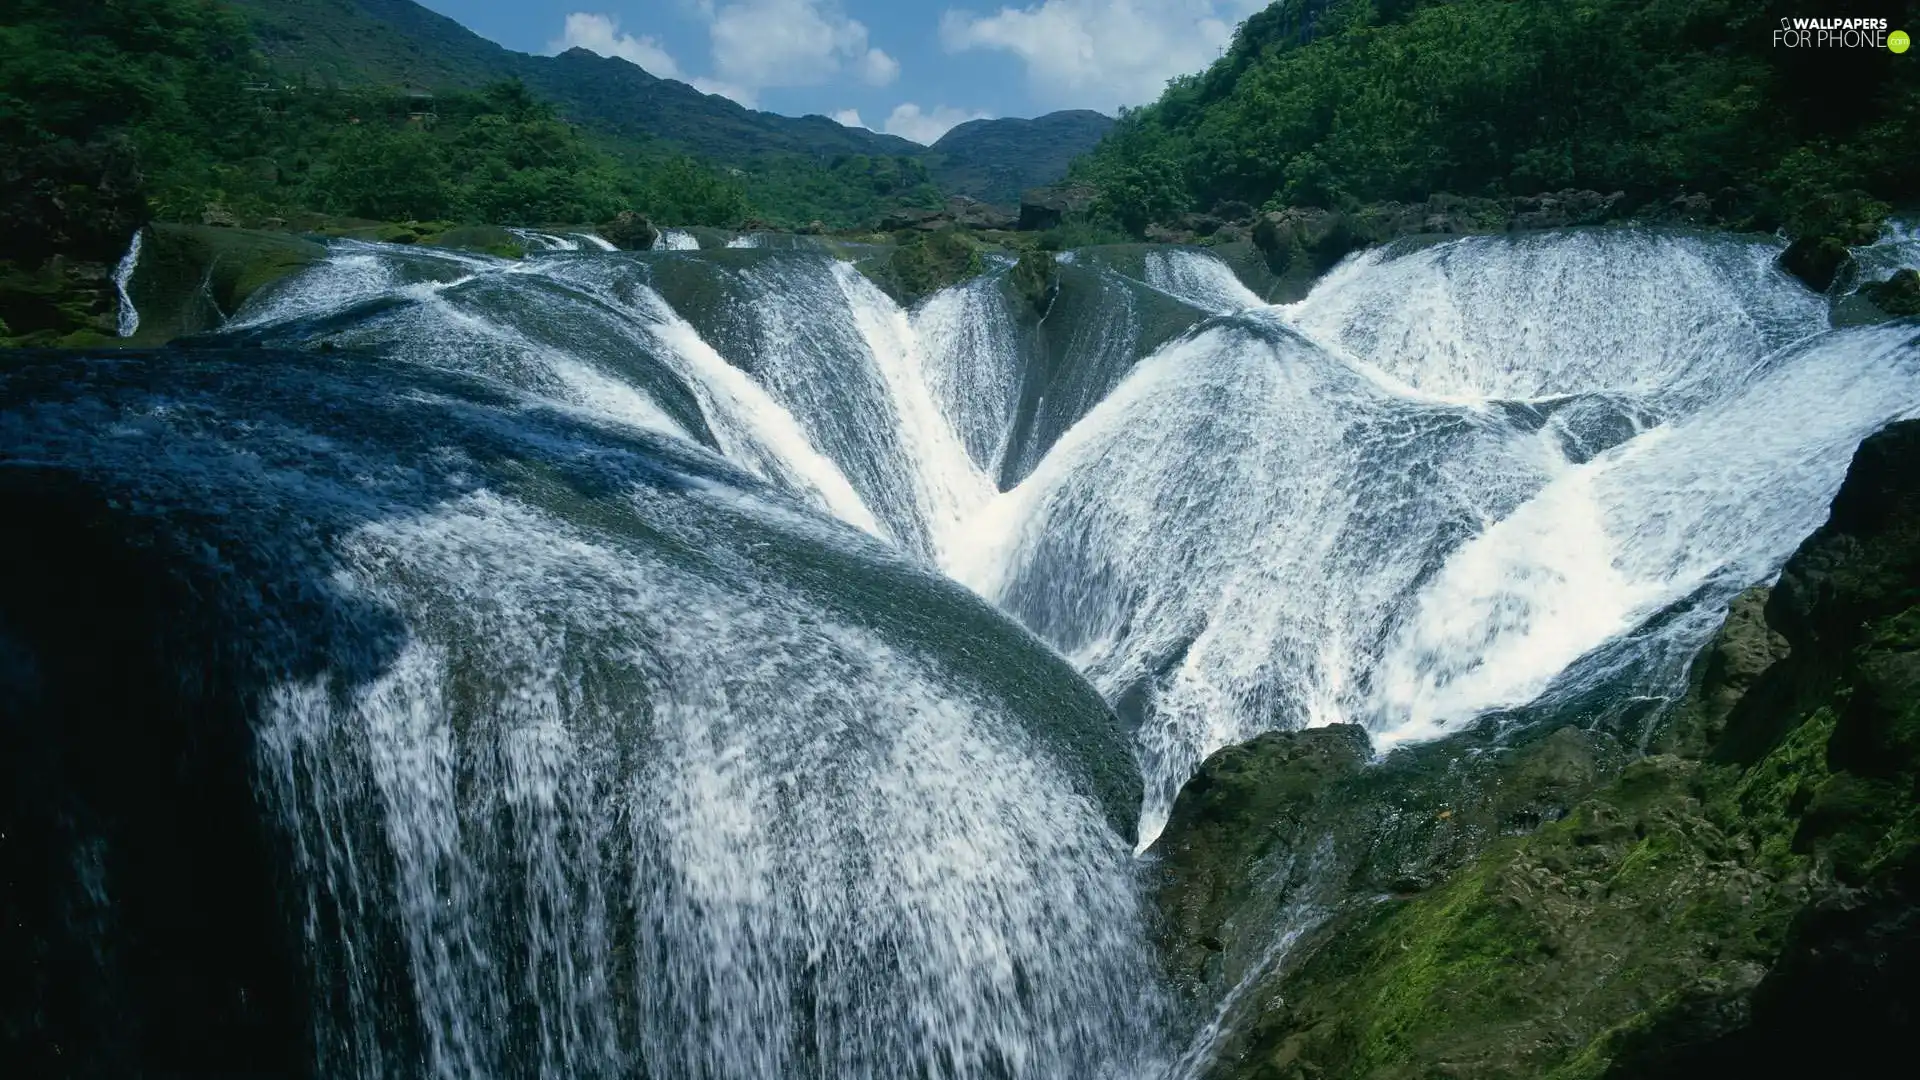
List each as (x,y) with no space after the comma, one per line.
(115,111)
(1336,103)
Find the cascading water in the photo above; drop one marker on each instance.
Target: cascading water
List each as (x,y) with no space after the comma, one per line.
(1427,490)
(127,317)
(593,755)
(657,768)
(676,240)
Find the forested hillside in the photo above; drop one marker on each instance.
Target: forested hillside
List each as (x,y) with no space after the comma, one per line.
(1338,103)
(796,169)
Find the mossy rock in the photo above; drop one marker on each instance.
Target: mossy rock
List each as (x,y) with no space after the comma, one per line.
(191,278)
(1816,260)
(1035,279)
(484,239)
(922,264)
(49,305)
(1899,295)
(629,231)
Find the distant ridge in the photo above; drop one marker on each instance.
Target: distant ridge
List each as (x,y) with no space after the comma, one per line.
(400,43)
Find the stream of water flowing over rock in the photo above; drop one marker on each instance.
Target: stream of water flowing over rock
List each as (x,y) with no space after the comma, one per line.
(617,707)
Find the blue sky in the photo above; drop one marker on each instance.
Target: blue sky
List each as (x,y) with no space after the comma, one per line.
(911,67)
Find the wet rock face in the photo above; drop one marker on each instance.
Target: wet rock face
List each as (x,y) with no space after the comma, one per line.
(1899,295)
(1047,208)
(1536,908)
(630,231)
(1262,805)
(1815,260)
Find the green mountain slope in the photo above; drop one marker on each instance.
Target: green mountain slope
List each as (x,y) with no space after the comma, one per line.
(399,44)
(996,160)
(352,43)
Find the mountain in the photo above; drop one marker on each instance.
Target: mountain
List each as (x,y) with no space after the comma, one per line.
(995,160)
(400,43)
(1347,103)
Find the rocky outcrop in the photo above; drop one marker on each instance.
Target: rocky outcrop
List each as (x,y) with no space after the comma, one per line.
(629,231)
(1899,295)
(1036,281)
(1048,208)
(1698,912)
(1816,260)
(193,277)
(923,263)
(960,212)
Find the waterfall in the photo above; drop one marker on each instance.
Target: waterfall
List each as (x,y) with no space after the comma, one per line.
(128,316)
(1452,479)
(1455,478)
(594,756)
(1200,280)
(708,667)
(676,240)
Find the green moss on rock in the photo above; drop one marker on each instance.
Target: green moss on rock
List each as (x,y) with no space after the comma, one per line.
(485,239)
(192,277)
(1899,295)
(923,263)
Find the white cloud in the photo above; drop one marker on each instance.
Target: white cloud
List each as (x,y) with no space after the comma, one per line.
(601,34)
(849,118)
(762,43)
(909,121)
(1102,54)
(755,45)
(878,69)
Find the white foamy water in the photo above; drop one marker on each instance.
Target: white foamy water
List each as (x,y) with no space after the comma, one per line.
(1200,280)
(1424,492)
(685,824)
(1453,480)
(126,316)
(1436,484)
(676,240)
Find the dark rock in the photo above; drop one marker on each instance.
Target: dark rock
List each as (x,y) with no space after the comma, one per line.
(968,213)
(1232,210)
(1743,649)
(1898,295)
(1201,224)
(960,212)
(191,278)
(1036,279)
(61,302)
(629,231)
(1048,208)
(219,216)
(1815,260)
(923,263)
(914,218)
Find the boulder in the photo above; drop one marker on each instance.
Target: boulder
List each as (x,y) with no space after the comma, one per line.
(1047,208)
(960,212)
(1816,260)
(914,218)
(1232,210)
(629,231)
(1036,277)
(1898,295)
